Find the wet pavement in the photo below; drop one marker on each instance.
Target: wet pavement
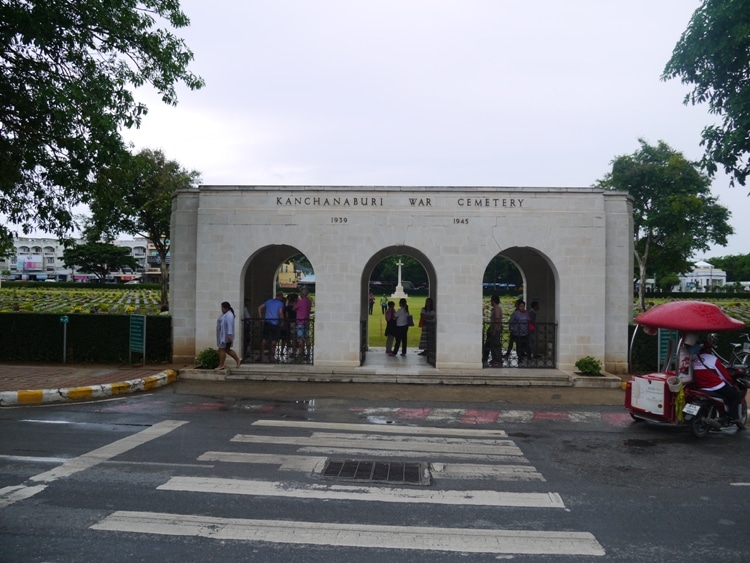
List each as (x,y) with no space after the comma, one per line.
(25,384)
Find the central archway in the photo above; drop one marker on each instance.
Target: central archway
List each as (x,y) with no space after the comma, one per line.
(374,260)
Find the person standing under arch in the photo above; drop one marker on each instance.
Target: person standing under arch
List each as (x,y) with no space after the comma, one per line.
(494,344)
(272,313)
(519,331)
(427,318)
(302,310)
(390,327)
(402,327)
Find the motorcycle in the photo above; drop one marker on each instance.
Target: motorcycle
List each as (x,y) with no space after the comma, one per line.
(705,411)
(670,396)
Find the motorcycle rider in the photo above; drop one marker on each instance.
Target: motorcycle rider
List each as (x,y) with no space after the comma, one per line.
(710,374)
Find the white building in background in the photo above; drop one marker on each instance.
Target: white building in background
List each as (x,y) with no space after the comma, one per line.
(703,276)
(39,259)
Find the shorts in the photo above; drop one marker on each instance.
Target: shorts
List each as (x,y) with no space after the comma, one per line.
(226,346)
(303,330)
(271,331)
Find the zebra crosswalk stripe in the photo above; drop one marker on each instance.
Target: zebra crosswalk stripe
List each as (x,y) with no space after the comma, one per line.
(383,428)
(461,540)
(363,493)
(444,444)
(497,447)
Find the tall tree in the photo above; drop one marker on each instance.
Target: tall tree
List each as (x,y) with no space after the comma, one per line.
(674,213)
(737,266)
(134,196)
(713,55)
(67,71)
(99,258)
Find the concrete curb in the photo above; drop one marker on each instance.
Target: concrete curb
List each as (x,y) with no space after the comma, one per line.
(105,390)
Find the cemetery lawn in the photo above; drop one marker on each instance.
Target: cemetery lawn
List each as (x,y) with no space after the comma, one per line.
(137,301)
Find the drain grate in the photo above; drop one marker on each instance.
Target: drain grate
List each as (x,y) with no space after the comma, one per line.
(392,472)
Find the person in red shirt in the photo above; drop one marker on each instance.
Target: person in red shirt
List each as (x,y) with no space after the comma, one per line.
(710,374)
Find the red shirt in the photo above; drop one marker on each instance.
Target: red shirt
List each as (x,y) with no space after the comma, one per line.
(709,373)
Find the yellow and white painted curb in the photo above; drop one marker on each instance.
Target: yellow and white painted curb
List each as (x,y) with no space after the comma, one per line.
(103,391)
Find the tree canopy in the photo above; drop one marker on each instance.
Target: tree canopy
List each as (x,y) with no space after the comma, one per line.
(134,196)
(99,258)
(67,71)
(736,266)
(674,213)
(713,55)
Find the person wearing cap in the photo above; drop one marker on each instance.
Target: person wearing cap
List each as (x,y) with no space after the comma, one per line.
(710,374)
(272,312)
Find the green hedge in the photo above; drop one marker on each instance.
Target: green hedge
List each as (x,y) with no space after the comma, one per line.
(105,339)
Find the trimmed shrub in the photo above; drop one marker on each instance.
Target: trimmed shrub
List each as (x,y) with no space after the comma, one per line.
(589,365)
(208,359)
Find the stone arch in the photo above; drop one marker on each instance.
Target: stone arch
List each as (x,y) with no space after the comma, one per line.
(539,279)
(379,256)
(258,275)
(539,282)
(259,271)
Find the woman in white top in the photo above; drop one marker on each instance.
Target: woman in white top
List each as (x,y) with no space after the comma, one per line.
(226,335)
(402,327)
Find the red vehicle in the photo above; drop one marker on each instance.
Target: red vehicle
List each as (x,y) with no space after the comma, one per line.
(670,396)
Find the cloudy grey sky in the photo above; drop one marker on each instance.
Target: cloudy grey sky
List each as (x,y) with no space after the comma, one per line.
(430,92)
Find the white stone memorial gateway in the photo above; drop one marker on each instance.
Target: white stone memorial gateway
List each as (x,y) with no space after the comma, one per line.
(573,247)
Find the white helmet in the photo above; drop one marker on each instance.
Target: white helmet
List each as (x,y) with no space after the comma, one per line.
(691,338)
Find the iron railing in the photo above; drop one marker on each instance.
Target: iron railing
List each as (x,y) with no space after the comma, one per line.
(288,349)
(430,330)
(538,350)
(364,338)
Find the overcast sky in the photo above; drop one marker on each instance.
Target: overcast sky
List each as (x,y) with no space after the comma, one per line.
(448,93)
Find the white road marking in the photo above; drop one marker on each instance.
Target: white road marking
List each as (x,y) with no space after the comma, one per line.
(107,452)
(478,471)
(9,495)
(46,421)
(350,451)
(316,464)
(514,416)
(584,416)
(740,484)
(502,447)
(363,493)
(444,415)
(409,440)
(32,459)
(285,462)
(460,540)
(383,429)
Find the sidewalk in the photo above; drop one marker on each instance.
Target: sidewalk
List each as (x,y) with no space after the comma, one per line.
(30,384)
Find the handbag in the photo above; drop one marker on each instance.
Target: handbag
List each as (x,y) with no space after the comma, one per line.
(421,322)
(410,320)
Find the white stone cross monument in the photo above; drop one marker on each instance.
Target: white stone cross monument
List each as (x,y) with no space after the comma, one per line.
(399,293)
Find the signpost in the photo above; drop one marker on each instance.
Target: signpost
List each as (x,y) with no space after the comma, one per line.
(64,320)
(137,337)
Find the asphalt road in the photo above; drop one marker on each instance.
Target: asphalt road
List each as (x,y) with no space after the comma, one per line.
(186,475)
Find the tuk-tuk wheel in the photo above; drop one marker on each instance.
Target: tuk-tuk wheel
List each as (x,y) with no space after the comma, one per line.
(743,416)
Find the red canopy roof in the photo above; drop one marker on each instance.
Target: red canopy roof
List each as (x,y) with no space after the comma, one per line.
(689,316)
